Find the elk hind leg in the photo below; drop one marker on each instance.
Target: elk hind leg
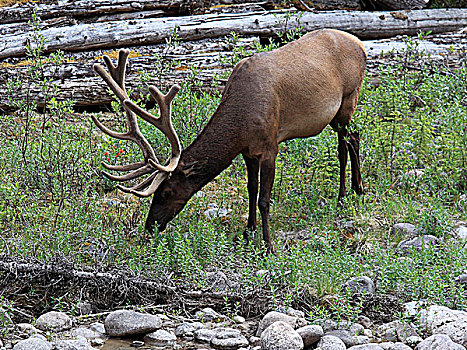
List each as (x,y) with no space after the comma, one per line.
(268,169)
(252,168)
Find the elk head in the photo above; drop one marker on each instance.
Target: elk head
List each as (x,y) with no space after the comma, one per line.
(150,165)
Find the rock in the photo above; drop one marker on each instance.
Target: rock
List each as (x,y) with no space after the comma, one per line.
(329,325)
(400,346)
(457,331)
(462,278)
(204,335)
(437,316)
(330,342)
(461,232)
(403,230)
(439,342)
(238,319)
(187,329)
(310,334)
(26,328)
(281,336)
(228,339)
(127,322)
(356,329)
(160,338)
(97,327)
(274,316)
(219,282)
(254,341)
(54,321)
(413,341)
(366,347)
(208,315)
(396,331)
(73,345)
(361,284)
(418,243)
(386,345)
(84,308)
(215,212)
(33,344)
(87,333)
(347,338)
(364,321)
(412,309)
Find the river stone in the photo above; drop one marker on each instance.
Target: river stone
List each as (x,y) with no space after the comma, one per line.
(461,232)
(418,243)
(186,329)
(33,344)
(127,322)
(310,334)
(204,335)
(361,284)
(386,345)
(54,321)
(97,327)
(347,338)
(330,342)
(366,347)
(238,319)
(281,336)
(403,229)
(160,338)
(80,344)
(413,341)
(274,316)
(87,333)
(436,316)
(396,331)
(208,315)
(356,329)
(400,346)
(228,339)
(26,328)
(457,331)
(439,342)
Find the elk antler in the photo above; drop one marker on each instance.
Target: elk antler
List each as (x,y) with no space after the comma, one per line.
(150,165)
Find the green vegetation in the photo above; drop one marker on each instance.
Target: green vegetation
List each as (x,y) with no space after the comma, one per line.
(54,203)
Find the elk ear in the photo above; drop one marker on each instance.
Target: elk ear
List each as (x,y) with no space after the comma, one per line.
(193,168)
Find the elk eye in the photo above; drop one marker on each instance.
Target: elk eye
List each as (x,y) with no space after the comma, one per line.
(167,194)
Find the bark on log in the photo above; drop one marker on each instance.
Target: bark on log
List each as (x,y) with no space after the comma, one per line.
(81,8)
(366,25)
(77,81)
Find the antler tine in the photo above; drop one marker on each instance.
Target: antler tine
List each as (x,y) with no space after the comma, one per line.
(132,175)
(158,179)
(163,123)
(118,72)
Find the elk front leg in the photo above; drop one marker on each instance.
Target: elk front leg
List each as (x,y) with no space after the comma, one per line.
(252,167)
(268,168)
(342,150)
(354,152)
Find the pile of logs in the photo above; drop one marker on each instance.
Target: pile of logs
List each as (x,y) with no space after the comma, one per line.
(84,28)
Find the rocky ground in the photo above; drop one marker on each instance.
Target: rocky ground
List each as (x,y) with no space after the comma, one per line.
(418,326)
(421,327)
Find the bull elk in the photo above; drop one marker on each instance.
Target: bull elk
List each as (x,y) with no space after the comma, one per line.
(291,92)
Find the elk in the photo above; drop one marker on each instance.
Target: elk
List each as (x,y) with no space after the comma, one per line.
(292,92)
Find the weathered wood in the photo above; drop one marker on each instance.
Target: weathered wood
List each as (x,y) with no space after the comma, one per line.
(394,4)
(80,8)
(366,25)
(76,79)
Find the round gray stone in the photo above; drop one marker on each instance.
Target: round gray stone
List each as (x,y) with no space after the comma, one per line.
(127,322)
(54,321)
(330,342)
(361,284)
(274,316)
(160,338)
(310,334)
(33,344)
(228,339)
(281,336)
(439,342)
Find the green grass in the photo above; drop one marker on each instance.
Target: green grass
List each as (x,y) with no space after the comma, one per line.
(53,202)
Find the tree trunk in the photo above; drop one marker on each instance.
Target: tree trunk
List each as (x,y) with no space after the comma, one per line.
(366,25)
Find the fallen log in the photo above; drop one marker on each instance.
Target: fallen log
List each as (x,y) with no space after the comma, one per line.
(77,81)
(366,25)
(82,8)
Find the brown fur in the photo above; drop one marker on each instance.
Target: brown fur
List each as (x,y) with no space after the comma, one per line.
(292,92)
